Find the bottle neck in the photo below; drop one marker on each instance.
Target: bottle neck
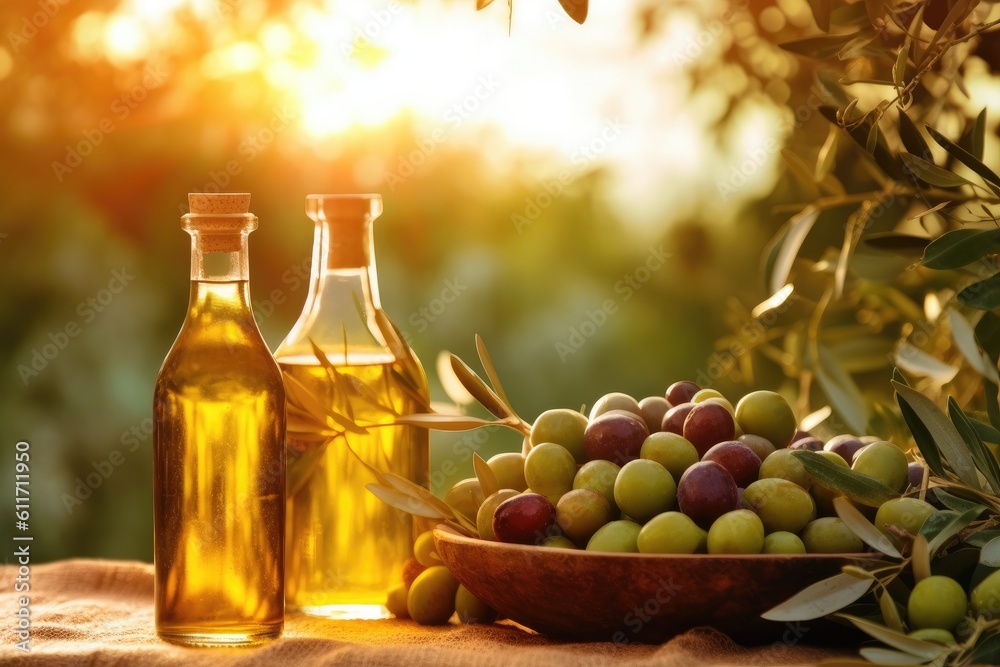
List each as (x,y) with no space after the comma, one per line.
(219,258)
(339,313)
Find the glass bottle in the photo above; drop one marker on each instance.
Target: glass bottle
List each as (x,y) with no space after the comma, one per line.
(345,548)
(218,450)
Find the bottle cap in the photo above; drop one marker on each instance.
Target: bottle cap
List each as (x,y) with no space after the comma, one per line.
(220,219)
(348,218)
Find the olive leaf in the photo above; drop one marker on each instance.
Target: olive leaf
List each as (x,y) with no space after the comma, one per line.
(920,558)
(841,389)
(921,435)
(961,247)
(984,294)
(916,361)
(890,612)
(912,139)
(988,336)
(965,338)
(441,422)
(990,553)
(575,9)
(798,228)
(985,461)
(986,432)
(930,173)
(963,156)
(820,599)
(896,639)
(888,656)
(453,387)
(821,10)
(943,434)
(957,13)
(478,388)
(941,527)
(860,488)
(981,538)
(934,209)
(976,136)
(955,503)
(301,395)
(821,47)
(491,372)
(864,528)
(405,502)
(487,478)
(404,486)
(987,651)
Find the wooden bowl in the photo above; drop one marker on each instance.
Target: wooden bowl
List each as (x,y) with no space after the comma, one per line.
(583,595)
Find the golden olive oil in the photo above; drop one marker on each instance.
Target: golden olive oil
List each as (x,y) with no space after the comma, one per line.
(219,477)
(344,547)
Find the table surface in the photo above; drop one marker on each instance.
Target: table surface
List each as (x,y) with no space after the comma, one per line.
(99,612)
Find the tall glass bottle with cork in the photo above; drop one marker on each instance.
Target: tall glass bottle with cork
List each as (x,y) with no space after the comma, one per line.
(345,548)
(218,450)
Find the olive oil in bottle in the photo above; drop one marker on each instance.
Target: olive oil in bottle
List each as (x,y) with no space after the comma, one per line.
(218,441)
(344,547)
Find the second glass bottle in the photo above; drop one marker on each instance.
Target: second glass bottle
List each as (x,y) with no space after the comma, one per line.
(344,547)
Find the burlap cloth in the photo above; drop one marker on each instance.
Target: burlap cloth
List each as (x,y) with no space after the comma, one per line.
(95,612)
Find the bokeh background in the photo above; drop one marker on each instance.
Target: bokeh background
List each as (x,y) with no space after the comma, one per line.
(531,171)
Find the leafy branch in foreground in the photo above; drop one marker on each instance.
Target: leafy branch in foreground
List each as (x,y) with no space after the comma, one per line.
(958,538)
(890,250)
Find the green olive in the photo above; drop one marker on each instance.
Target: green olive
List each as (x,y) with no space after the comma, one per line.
(937,602)
(549,469)
(736,532)
(617,536)
(671,533)
(830,535)
(564,427)
(431,600)
(471,609)
(509,470)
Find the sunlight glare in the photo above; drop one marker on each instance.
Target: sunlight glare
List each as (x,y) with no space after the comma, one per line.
(125,38)
(582,97)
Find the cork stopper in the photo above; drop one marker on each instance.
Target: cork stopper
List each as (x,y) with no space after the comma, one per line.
(346,208)
(349,220)
(225,202)
(220,219)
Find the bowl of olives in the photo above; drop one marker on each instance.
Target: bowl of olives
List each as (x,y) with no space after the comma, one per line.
(625,597)
(647,518)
